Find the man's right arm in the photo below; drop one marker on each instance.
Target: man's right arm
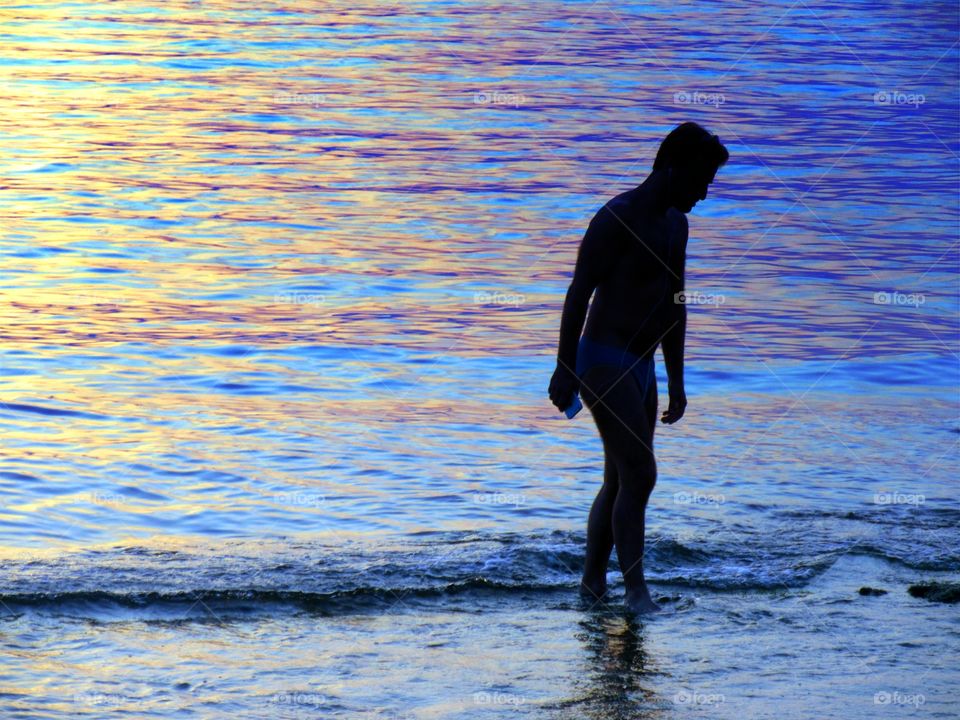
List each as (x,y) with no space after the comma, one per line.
(600,250)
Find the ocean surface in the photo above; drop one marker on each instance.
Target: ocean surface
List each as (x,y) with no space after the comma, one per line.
(280,293)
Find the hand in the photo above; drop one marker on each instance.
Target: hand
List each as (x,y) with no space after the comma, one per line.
(678,403)
(563,385)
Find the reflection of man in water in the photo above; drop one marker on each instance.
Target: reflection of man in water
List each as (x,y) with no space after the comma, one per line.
(633,255)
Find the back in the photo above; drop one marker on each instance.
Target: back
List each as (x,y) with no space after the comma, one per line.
(631,300)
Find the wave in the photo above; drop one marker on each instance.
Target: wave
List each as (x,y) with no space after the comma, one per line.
(239,578)
(233,602)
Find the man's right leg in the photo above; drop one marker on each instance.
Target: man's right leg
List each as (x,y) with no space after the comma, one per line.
(623,420)
(600,534)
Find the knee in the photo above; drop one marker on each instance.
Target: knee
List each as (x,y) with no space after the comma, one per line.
(638,466)
(640,477)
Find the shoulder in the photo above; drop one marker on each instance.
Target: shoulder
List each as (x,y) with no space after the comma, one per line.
(609,226)
(620,216)
(612,214)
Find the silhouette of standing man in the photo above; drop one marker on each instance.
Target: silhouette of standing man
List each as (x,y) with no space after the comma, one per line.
(633,255)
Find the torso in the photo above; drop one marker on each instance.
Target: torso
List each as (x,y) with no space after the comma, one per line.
(625,312)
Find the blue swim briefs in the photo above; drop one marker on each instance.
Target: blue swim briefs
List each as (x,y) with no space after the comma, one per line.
(591,353)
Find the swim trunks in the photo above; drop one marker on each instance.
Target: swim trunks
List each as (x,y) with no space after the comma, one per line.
(591,353)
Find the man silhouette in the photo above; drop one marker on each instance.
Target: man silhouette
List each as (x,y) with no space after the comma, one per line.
(633,254)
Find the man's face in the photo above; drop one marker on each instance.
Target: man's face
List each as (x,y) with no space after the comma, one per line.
(689,185)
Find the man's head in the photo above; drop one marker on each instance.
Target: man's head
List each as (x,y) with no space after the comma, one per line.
(689,157)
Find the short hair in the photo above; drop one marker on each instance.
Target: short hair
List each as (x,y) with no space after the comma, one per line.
(689,143)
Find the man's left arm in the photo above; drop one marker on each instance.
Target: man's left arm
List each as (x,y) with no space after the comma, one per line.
(673,340)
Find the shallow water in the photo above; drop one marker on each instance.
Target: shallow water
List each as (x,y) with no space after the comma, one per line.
(281,294)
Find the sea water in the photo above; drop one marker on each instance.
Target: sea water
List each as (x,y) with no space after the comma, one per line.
(281,293)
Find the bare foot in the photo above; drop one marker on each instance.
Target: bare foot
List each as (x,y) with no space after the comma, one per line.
(640,603)
(593,590)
